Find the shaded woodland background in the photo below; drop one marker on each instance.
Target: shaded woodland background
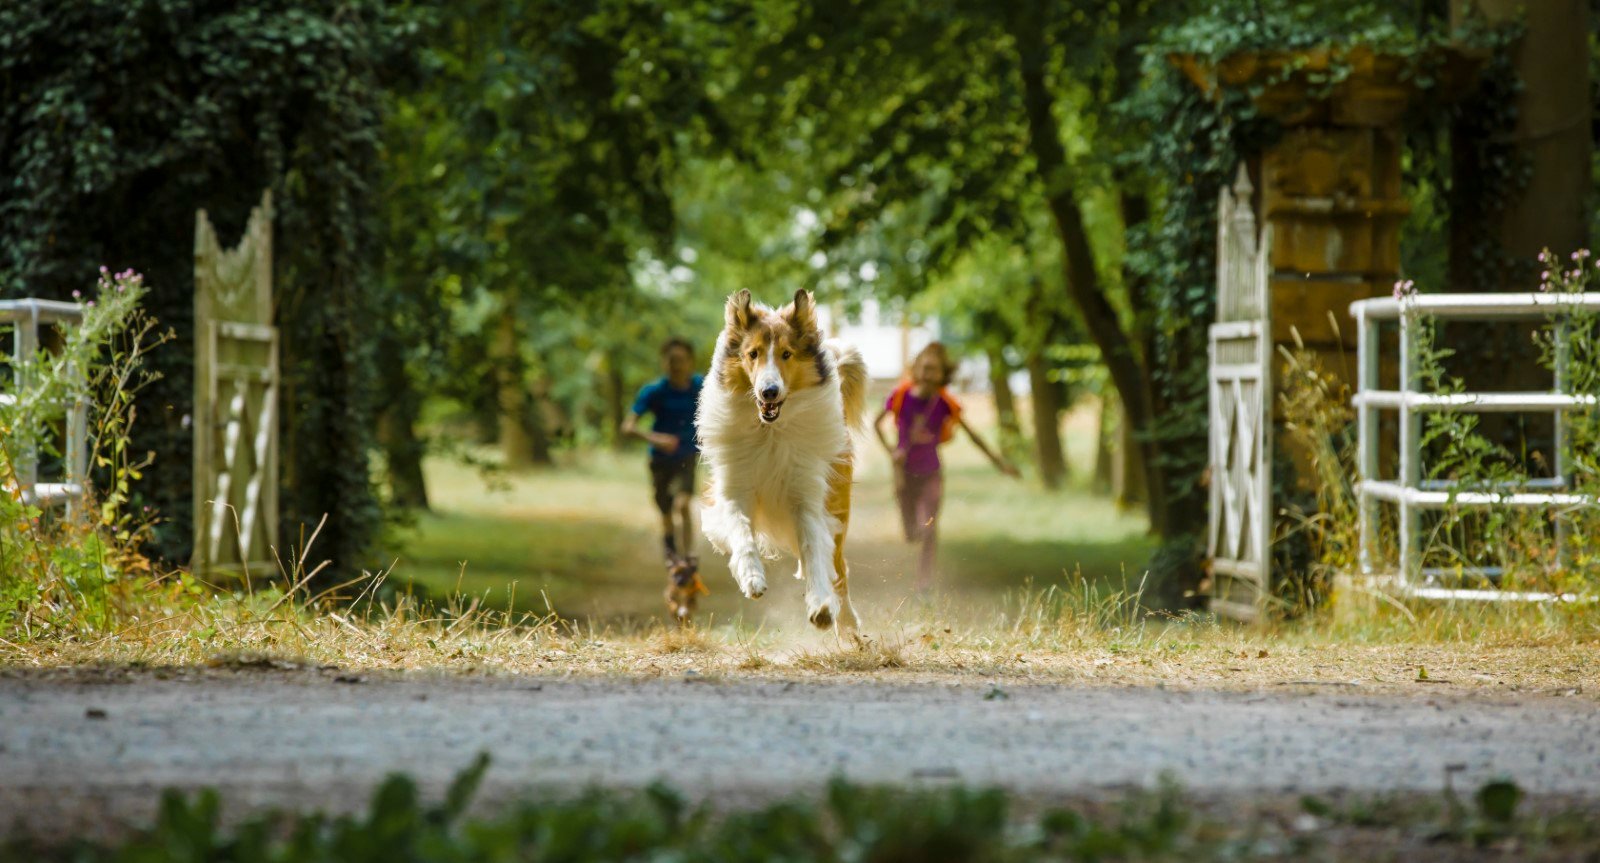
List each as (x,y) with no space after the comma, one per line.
(491,212)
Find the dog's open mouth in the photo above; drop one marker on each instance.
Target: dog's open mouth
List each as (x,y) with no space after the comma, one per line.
(769,410)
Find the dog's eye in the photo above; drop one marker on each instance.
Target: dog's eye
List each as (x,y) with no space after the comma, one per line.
(787,354)
(754,353)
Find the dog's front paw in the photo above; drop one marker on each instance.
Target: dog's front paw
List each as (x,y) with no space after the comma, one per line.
(821,609)
(751,575)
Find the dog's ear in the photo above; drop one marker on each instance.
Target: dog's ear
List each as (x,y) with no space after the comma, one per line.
(802,315)
(738,311)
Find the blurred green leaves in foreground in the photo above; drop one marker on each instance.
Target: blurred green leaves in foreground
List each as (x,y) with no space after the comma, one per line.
(843,822)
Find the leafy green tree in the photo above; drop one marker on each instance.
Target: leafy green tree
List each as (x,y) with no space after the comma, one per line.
(965,119)
(531,166)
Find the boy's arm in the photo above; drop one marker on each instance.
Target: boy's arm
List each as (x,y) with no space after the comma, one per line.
(1000,463)
(661,441)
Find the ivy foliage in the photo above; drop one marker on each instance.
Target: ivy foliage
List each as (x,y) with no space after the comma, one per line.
(120,118)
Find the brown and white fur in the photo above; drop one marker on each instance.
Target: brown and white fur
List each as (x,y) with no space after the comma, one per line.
(775,423)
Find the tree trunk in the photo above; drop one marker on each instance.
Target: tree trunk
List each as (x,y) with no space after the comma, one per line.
(1046,421)
(516,445)
(542,416)
(1553,131)
(1117,347)
(397,427)
(1005,403)
(616,402)
(1128,469)
(1104,475)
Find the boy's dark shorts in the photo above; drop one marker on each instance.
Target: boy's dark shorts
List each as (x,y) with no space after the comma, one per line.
(671,478)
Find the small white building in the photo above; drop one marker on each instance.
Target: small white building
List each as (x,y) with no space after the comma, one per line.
(886,340)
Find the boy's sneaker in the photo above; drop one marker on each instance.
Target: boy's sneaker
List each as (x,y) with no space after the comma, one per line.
(683,587)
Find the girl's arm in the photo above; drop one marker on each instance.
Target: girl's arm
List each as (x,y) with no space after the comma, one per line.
(877,426)
(1000,463)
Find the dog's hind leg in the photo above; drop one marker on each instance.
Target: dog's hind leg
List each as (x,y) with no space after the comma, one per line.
(839,511)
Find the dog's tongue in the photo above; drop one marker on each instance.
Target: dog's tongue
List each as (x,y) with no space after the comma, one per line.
(769,412)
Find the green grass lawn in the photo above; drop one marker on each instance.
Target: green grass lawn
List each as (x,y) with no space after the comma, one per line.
(584,538)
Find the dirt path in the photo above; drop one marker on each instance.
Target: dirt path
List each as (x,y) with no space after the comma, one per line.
(78,755)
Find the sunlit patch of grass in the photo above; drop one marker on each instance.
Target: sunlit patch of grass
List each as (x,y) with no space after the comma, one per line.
(752,660)
(681,639)
(854,655)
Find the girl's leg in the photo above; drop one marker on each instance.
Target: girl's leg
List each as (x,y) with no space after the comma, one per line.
(905,494)
(930,492)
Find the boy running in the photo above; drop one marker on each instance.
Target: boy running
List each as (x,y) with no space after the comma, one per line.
(671,400)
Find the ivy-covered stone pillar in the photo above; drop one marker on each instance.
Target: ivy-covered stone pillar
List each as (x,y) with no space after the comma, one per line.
(1329,185)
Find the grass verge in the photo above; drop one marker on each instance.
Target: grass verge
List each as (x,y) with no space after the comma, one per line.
(1079,635)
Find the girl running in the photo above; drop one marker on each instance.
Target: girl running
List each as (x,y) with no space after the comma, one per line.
(926,415)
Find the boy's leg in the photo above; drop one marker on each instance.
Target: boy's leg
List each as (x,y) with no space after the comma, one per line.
(683,507)
(661,486)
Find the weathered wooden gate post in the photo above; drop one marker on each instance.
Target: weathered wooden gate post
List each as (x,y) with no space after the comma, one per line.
(1329,202)
(235,399)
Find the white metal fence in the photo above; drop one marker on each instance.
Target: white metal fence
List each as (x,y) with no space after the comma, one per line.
(1409,492)
(26,317)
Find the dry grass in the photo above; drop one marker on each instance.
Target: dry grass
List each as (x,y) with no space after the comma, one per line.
(1084,638)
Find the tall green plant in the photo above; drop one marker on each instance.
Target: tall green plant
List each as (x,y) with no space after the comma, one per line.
(69,574)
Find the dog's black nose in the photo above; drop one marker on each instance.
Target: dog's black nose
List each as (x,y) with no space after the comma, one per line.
(769,393)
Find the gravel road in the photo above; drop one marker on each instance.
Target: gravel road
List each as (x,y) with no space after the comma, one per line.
(81,754)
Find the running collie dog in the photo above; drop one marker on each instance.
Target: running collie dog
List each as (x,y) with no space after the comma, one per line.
(775,422)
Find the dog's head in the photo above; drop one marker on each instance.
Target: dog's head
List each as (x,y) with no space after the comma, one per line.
(772,354)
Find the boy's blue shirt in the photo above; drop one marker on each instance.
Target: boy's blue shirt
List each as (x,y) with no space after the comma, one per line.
(673,410)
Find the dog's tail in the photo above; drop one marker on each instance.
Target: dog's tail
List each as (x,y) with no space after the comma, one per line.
(852,383)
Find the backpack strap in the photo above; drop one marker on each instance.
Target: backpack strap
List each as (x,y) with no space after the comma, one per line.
(947,429)
(897,399)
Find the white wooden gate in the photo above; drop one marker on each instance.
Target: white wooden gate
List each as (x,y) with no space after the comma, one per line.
(236,399)
(1239,537)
